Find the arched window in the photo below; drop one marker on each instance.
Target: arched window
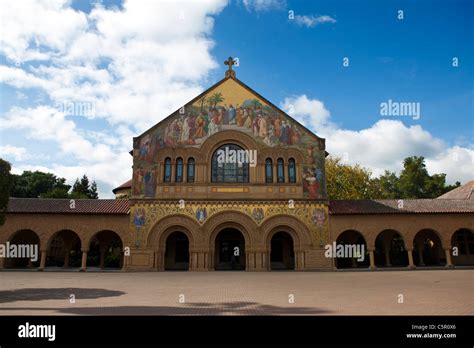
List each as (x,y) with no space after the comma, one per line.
(280,171)
(227,164)
(291,170)
(179,170)
(269,170)
(167,176)
(191,169)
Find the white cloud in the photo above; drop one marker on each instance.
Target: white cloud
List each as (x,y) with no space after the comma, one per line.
(31,25)
(101,156)
(311,21)
(264,5)
(150,56)
(309,112)
(135,65)
(17,153)
(385,144)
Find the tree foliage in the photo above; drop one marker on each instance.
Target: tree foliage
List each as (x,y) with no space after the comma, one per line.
(83,189)
(38,184)
(46,185)
(345,181)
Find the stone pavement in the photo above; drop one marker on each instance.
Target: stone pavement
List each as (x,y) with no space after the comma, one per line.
(425,292)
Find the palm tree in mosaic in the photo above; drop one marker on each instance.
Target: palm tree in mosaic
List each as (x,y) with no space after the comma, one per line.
(215,99)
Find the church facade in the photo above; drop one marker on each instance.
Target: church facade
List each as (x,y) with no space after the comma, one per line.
(227,175)
(231,182)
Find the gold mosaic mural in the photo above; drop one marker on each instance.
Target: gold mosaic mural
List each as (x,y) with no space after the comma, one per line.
(313,215)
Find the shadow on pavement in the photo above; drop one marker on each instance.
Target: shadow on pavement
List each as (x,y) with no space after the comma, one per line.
(226,308)
(40,294)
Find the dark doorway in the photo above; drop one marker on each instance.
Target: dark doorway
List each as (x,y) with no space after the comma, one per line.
(428,250)
(390,250)
(177,252)
(64,250)
(282,255)
(105,251)
(352,238)
(230,250)
(24,237)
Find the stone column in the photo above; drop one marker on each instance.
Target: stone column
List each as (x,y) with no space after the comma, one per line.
(299,260)
(275,172)
(248,265)
(449,263)
(42,261)
(185,170)
(260,260)
(372,259)
(266,265)
(160,260)
(122,264)
(411,264)
(173,171)
(84,260)
(211,260)
(193,260)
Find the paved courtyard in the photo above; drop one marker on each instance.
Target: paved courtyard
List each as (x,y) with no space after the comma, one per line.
(424,292)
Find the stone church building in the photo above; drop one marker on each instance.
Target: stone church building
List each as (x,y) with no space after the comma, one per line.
(231,182)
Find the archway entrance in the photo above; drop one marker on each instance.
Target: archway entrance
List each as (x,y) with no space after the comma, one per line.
(230,250)
(428,250)
(105,251)
(24,240)
(177,252)
(64,250)
(390,250)
(353,239)
(463,240)
(282,254)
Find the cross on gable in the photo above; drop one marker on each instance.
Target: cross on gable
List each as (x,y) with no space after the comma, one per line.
(229,62)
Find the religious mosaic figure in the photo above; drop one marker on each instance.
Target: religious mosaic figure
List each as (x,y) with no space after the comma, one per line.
(201,214)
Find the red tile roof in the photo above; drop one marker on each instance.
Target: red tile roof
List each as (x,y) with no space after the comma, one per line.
(336,207)
(63,206)
(391,206)
(125,185)
(465,191)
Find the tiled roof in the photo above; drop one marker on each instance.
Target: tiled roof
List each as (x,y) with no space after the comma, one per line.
(391,206)
(63,206)
(465,191)
(122,206)
(125,185)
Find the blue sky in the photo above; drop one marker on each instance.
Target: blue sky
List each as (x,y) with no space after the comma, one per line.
(135,63)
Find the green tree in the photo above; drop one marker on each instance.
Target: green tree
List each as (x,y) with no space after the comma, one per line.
(6,181)
(93,191)
(37,184)
(389,185)
(83,189)
(415,181)
(345,181)
(46,185)
(413,178)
